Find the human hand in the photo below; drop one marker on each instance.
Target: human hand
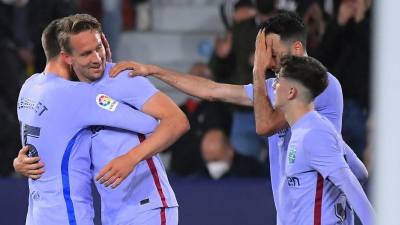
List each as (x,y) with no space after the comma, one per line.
(26,56)
(346,12)
(28,166)
(106,47)
(138,69)
(263,54)
(361,8)
(223,45)
(116,171)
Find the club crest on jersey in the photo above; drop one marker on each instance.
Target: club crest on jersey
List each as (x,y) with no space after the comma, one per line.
(292,154)
(106,102)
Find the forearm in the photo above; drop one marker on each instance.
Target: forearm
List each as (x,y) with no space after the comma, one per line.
(347,182)
(356,166)
(201,87)
(187,83)
(268,120)
(169,130)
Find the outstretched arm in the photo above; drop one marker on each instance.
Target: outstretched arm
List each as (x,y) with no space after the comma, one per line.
(187,83)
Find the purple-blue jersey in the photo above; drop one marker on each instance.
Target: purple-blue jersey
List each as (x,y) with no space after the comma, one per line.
(147,187)
(329,104)
(54,113)
(318,177)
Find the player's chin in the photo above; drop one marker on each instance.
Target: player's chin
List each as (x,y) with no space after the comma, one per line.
(96,72)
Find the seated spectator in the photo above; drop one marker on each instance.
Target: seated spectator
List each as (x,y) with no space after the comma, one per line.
(222,160)
(203,115)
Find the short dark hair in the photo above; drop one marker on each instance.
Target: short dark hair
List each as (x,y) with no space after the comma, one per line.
(307,71)
(288,25)
(50,44)
(75,24)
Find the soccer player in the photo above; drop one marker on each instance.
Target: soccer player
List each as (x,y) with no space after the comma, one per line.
(146,195)
(53,112)
(315,155)
(269,121)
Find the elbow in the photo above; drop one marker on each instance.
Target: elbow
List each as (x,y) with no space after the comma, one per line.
(186,125)
(183,125)
(264,130)
(363,177)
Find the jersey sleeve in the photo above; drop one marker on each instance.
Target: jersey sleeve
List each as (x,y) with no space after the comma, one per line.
(345,180)
(324,152)
(356,166)
(135,91)
(99,109)
(268,84)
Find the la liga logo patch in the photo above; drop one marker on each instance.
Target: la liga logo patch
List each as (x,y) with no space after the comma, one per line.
(106,102)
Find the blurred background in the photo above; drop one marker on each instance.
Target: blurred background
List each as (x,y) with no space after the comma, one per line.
(209,38)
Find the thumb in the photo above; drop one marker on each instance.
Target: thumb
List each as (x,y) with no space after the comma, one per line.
(24,150)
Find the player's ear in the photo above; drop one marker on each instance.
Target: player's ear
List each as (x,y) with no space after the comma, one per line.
(297,48)
(292,93)
(66,58)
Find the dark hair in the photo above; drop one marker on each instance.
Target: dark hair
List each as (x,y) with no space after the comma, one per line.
(243,3)
(265,6)
(74,25)
(288,25)
(307,71)
(49,39)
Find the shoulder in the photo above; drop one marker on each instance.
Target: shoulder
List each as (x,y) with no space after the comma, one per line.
(317,127)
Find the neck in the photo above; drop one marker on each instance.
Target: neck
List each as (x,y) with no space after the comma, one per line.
(58,68)
(296,110)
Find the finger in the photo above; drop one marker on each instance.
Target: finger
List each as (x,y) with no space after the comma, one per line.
(114,70)
(134,73)
(23,151)
(263,43)
(103,172)
(117,182)
(107,174)
(35,172)
(110,181)
(35,166)
(119,68)
(106,177)
(106,47)
(35,177)
(31,160)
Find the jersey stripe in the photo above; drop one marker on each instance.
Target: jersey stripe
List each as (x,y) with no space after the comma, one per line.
(65,180)
(154,173)
(163,218)
(318,200)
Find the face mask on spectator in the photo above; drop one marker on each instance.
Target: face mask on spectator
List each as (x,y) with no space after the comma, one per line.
(217,169)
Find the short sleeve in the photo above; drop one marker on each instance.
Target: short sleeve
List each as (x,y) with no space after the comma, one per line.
(324,152)
(268,84)
(96,108)
(135,91)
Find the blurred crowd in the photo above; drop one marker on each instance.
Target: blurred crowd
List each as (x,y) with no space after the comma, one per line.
(222,141)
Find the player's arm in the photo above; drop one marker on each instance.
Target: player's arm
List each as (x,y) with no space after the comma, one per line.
(173,124)
(357,167)
(324,154)
(268,119)
(345,180)
(187,83)
(28,166)
(96,108)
